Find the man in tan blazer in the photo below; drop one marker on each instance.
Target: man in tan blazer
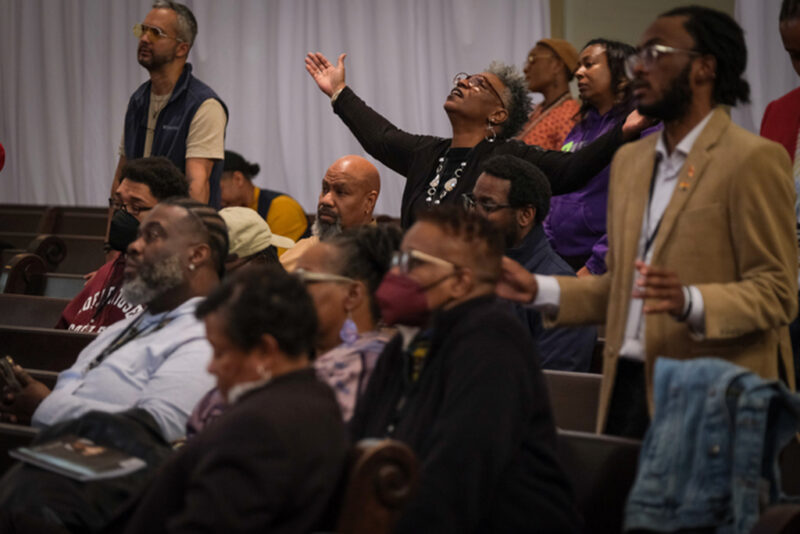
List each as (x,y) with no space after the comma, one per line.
(702,257)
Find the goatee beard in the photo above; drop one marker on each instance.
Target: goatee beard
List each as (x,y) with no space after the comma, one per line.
(153,280)
(675,102)
(325,230)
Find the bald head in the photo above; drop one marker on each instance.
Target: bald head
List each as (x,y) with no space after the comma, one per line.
(350,189)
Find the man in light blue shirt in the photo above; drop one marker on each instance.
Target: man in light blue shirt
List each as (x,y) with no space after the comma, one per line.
(157,360)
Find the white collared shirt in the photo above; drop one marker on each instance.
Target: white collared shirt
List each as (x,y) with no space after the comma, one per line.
(548,297)
(162,371)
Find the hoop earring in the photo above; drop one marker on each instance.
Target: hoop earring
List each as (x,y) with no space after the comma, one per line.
(491,135)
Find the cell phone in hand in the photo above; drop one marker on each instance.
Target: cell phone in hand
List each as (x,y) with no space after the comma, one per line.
(8,378)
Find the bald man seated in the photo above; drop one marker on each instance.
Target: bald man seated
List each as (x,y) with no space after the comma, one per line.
(350,189)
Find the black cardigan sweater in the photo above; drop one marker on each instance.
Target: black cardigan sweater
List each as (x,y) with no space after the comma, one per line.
(479,421)
(416,156)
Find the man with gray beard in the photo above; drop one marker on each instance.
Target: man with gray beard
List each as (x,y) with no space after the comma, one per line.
(350,189)
(156,360)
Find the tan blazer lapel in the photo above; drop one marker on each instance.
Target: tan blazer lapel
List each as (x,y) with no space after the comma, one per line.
(691,173)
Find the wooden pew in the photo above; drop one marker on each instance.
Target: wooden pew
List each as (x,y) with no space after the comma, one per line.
(20,220)
(42,348)
(30,310)
(25,274)
(602,470)
(74,221)
(75,254)
(574,399)
(381,477)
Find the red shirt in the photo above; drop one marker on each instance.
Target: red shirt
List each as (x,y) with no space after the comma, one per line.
(100,303)
(782,120)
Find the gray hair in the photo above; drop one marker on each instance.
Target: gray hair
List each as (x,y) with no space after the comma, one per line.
(187,24)
(516,94)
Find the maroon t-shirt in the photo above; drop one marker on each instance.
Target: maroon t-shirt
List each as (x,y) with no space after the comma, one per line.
(100,303)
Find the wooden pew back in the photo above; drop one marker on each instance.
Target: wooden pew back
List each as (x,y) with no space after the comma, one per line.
(382,476)
(574,398)
(602,470)
(30,310)
(42,348)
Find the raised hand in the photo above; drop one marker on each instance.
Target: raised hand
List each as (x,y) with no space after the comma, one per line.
(516,282)
(329,78)
(635,123)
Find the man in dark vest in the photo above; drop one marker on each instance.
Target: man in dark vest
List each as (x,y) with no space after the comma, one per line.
(174,114)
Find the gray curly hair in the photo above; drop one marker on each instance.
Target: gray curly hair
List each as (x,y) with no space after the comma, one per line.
(516,95)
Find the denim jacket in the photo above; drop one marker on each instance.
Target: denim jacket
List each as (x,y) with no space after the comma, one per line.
(710,456)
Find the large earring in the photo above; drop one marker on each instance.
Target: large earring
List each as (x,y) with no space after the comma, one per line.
(349,331)
(491,135)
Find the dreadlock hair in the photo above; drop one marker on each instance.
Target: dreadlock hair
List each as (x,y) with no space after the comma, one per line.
(529,185)
(516,94)
(365,254)
(717,34)
(485,243)
(790,9)
(159,174)
(264,300)
(209,226)
(616,54)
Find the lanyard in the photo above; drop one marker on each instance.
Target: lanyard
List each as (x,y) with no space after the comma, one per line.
(649,239)
(130,333)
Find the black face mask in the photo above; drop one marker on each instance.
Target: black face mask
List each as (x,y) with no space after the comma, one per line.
(122,233)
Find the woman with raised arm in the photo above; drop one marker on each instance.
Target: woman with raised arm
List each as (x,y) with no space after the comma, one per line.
(485,110)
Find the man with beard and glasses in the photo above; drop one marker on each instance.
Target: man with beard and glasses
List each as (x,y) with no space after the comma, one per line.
(350,189)
(144,183)
(461,385)
(174,114)
(514,196)
(702,254)
(155,361)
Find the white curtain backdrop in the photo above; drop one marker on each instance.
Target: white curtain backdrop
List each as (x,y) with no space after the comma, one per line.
(769,70)
(68,67)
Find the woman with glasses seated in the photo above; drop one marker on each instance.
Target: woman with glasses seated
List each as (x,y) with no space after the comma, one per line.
(485,110)
(576,224)
(342,275)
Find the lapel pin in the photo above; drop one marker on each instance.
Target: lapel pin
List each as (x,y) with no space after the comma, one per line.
(684,186)
(691,171)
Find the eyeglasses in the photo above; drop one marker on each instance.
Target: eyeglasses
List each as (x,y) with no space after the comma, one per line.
(309,277)
(476,81)
(408,260)
(133,210)
(647,56)
(152,32)
(470,203)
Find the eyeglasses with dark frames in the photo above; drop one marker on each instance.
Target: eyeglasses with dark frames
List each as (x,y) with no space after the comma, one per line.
(134,210)
(477,81)
(470,203)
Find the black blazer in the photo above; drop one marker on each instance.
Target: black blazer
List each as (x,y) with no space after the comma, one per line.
(270,463)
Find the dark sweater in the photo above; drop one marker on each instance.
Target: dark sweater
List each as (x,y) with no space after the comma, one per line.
(479,421)
(416,156)
(270,463)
